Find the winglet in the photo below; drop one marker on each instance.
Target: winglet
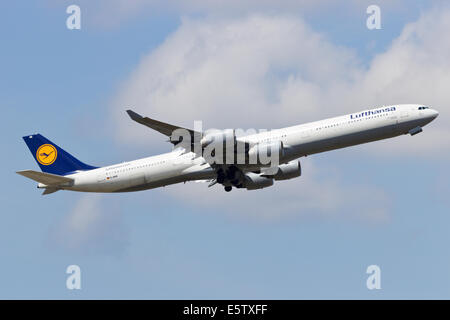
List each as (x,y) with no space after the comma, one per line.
(135,116)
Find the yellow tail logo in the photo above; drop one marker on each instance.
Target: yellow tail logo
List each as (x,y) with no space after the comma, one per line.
(46,154)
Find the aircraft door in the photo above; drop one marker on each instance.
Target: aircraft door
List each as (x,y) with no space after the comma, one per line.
(404,114)
(101,177)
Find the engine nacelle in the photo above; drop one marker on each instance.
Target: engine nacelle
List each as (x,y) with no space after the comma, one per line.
(289,170)
(219,137)
(266,153)
(255,181)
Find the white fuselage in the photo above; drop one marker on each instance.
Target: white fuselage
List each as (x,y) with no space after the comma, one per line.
(301,140)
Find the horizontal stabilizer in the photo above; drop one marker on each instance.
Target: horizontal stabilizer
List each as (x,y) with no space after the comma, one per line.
(46,178)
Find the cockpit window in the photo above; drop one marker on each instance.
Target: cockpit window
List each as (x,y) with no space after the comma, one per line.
(423,108)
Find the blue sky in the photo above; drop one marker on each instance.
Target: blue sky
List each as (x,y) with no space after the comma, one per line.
(384,203)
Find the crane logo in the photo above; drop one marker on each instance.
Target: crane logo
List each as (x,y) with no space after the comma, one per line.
(46,154)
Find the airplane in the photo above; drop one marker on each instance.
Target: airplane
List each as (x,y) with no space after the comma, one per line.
(62,171)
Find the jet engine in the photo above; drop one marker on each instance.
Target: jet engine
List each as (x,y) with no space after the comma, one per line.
(288,170)
(255,181)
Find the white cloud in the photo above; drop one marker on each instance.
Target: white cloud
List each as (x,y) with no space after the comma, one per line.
(91,228)
(415,69)
(271,71)
(259,71)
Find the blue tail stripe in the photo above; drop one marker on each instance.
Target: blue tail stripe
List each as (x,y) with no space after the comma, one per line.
(53,159)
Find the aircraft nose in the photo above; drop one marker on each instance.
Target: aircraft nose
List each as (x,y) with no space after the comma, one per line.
(434,114)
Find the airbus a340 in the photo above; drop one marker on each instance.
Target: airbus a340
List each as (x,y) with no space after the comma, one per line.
(222,157)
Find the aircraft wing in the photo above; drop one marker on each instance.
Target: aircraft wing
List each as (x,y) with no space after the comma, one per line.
(168,129)
(162,127)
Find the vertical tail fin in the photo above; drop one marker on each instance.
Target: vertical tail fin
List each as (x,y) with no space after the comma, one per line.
(51,158)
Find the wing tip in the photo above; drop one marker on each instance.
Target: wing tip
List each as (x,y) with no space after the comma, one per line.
(134,115)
